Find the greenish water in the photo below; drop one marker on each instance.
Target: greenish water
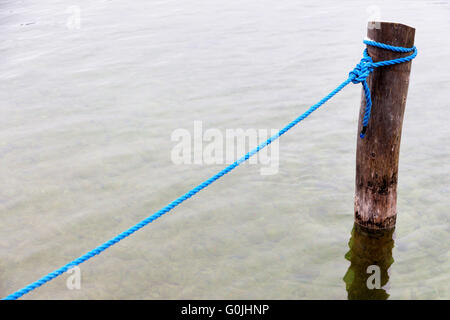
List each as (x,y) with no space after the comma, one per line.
(86,116)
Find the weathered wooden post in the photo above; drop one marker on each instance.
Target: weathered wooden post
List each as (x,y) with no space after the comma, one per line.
(377,154)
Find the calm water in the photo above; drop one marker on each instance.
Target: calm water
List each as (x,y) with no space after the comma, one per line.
(85,121)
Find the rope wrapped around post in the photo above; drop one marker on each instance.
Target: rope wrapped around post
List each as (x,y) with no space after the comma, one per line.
(366,66)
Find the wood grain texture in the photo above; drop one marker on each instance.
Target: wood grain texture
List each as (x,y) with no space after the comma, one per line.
(377,154)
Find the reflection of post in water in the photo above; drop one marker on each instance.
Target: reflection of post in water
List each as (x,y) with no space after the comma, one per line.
(370,256)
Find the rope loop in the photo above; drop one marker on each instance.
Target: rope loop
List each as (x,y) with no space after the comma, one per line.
(363,69)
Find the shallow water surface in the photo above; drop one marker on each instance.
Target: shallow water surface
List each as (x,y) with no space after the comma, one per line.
(86,116)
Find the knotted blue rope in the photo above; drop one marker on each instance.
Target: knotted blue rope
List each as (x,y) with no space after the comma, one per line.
(366,66)
(358,75)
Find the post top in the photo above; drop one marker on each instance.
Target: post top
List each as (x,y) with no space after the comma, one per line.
(388,23)
(392,33)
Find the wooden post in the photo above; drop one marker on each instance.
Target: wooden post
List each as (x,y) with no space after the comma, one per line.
(378,152)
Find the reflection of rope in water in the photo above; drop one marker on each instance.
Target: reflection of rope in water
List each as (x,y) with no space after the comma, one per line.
(358,75)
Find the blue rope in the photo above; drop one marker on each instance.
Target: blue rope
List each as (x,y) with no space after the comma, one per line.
(366,66)
(359,74)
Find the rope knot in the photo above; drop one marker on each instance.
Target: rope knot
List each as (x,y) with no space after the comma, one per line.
(362,70)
